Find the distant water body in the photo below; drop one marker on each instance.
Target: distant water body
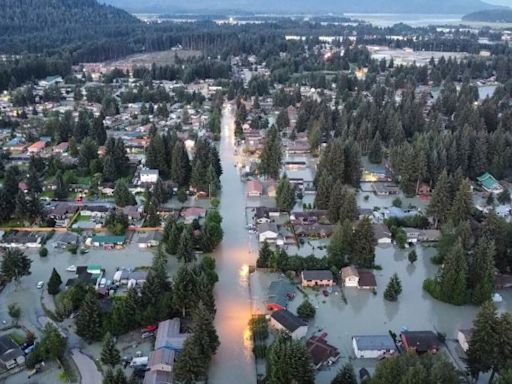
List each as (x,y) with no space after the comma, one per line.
(412,19)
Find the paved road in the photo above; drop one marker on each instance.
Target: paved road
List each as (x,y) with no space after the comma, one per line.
(234,361)
(88,370)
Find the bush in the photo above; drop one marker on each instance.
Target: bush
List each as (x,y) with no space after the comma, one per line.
(43,252)
(260,351)
(73,249)
(413,256)
(397,202)
(306,310)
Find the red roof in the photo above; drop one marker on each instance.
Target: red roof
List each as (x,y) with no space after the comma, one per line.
(254,186)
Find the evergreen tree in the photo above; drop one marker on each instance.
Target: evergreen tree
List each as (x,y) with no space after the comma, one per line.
(462,205)
(453,276)
(109,353)
(160,192)
(120,377)
(339,247)
(482,272)
(33,181)
(324,187)
(482,353)
(282,120)
(363,244)
(288,361)
(375,154)
(122,194)
(180,169)
(439,206)
(214,185)
(412,256)
(54,283)
(109,377)
(61,189)
(172,241)
(185,250)
(15,265)
(88,324)
(346,375)
(393,289)
(285,195)
(271,156)
(264,255)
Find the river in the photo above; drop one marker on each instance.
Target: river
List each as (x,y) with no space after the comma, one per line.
(234,361)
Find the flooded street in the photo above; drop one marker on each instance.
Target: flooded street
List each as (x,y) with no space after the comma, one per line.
(234,361)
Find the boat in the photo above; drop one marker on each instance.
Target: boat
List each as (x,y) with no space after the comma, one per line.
(71,268)
(497,298)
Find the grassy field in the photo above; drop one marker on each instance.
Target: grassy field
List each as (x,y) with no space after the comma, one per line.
(159,58)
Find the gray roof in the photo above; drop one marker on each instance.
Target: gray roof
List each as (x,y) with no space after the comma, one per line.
(374,343)
(288,320)
(9,350)
(268,227)
(317,275)
(169,336)
(278,292)
(157,377)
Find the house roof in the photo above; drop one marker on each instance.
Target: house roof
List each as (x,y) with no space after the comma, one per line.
(278,292)
(348,272)
(381,231)
(157,377)
(421,341)
(317,275)
(169,336)
(9,350)
(161,356)
(367,279)
(320,350)
(108,239)
(374,342)
(254,186)
(268,227)
(288,320)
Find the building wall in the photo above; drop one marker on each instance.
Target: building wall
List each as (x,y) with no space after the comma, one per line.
(300,333)
(351,281)
(317,283)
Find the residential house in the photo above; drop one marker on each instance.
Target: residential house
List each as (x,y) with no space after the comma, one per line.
(382,233)
(412,234)
(375,173)
(280,293)
(192,213)
(62,213)
(321,231)
(148,176)
(271,189)
(97,212)
(373,347)
(385,189)
(11,354)
(107,240)
(61,148)
(22,239)
(149,239)
(168,342)
(284,320)
(36,147)
(359,278)
(309,217)
(464,337)
(489,183)
(322,353)
(254,188)
(130,278)
(350,276)
(420,341)
(317,278)
(267,232)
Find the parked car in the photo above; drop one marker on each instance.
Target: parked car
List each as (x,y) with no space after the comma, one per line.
(40,285)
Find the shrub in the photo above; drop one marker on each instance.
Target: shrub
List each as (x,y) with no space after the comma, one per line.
(306,310)
(43,252)
(432,288)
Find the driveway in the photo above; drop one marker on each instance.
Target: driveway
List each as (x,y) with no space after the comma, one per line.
(88,370)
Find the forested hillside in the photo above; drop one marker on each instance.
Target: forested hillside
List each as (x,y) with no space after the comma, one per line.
(490,15)
(74,26)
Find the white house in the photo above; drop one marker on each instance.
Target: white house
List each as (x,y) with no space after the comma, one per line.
(372,347)
(350,276)
(149,175)
(284,320)
(267,232)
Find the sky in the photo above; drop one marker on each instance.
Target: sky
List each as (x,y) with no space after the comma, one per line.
(500,2)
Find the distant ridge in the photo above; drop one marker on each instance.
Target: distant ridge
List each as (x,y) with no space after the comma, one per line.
(490,16)
(458,7)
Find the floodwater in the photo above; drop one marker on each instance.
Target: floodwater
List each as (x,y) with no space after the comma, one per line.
(234,361)
(412,19)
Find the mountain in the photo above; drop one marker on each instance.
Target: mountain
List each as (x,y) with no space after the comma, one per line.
(74,27)
(490,16)
(306,6)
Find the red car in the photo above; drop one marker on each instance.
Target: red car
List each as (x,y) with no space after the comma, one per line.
(150,328)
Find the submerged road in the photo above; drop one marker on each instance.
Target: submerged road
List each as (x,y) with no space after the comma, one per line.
(234,361)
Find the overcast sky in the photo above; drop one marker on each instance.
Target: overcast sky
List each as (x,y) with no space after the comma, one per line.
(500,2)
